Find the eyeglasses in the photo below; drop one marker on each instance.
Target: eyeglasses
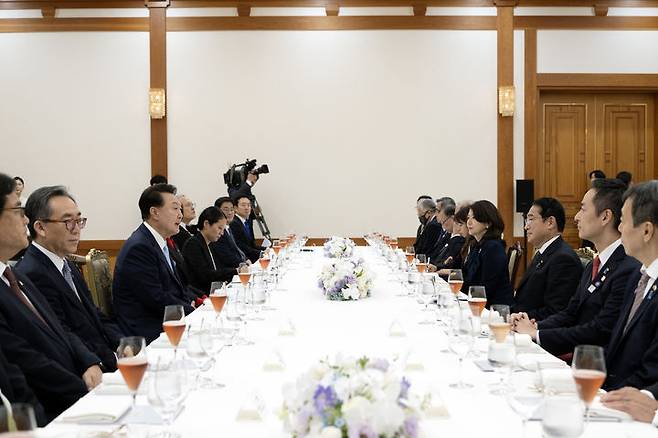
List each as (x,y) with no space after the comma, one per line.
(69,223)
(21,210)
(530,219)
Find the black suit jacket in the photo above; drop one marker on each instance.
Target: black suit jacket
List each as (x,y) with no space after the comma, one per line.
(486,265)
(14,386)
(549,282)
(590,316)
(429,236)
(52,359)
(439,246)
(451,249)
(227,251)
(246,243)
(632,355)
(80,316)
(183,235)
(653,389)
(144,284)
(198,257)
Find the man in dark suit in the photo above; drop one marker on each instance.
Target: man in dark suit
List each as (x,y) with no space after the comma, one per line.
(594,309)
(419,230)
(243,230)
(15,388)
(205,267)
(632,354)
(226,249)
(145,279)
(57,366)
(55,226)
(185,229)
(431,227)
(445,217)
(554,273)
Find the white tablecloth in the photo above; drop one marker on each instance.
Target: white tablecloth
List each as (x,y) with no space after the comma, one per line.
(325,328)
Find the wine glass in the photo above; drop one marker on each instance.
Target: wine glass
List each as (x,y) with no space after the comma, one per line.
(16,417)
(589,372)
(501,354)
(456,280)
(174,325)
(197,349)
(165,394)
(410,252)
(427,292)
(477,300)
(523,399)
(257,296)
(460,342)
(421,263)
(218,299)
(264,261)
(132,363)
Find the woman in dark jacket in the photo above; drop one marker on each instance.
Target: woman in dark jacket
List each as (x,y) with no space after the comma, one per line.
(486,264)
(204,266)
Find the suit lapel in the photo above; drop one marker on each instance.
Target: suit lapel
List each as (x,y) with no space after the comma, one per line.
(161,256)
(605,271)
(646,302)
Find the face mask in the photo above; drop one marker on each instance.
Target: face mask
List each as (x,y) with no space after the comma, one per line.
(422,219)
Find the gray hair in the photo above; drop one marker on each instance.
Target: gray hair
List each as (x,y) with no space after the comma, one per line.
(645,202)
(427,205)
(448,205)
(37,206)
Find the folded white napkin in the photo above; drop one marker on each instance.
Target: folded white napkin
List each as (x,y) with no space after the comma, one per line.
(556,380)
(114,384)
(522,340)
(529,361)
(396,330)
(94,409)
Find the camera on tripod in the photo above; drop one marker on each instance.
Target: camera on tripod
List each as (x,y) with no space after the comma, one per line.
(237,173)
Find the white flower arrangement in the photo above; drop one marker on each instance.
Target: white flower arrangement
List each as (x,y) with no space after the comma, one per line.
(339,247)
(351,398)
(345,280)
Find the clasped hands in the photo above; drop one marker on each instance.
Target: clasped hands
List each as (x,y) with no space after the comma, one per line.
(521,323)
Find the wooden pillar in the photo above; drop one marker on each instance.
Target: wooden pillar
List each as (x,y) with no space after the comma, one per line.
(158,68)
(530,106)
(505,32)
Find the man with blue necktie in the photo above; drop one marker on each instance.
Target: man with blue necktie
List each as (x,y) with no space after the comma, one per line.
(145,278)
(55,226)
(243,230)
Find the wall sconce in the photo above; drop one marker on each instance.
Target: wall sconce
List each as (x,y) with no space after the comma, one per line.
(157,108)
(506,101)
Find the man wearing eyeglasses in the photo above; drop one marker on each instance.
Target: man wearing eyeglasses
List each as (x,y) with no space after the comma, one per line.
(55,226)
(56,365)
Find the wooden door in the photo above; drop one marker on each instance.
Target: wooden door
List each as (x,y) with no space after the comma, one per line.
(580,132)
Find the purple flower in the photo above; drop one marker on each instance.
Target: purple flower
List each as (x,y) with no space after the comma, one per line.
(324,398)
(404,388)
(411,427)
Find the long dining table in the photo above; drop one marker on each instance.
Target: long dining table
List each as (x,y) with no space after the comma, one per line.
(304,327)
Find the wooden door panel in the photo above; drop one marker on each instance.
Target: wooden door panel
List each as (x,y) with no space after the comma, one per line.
(563,152)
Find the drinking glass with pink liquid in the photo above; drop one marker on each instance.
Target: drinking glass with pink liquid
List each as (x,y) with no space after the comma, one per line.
(589,372)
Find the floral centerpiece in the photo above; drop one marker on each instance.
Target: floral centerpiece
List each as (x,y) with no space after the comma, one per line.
(345,280)
(338,247)
(351,398)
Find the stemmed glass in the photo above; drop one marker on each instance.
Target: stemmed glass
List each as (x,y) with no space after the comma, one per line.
(174,325)
(522,399)
(456,280)
(427,294)
(199,343)
(257,296)
(166,391)
(132,363)
(477,300)
(461,341)
(393,243)
(410,253)
(501,354)
(218,299)
(589,372)
(244,272)
(421,263)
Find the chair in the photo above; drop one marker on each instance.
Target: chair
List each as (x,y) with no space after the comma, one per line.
(514,254)
(586,255)
(96,270)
